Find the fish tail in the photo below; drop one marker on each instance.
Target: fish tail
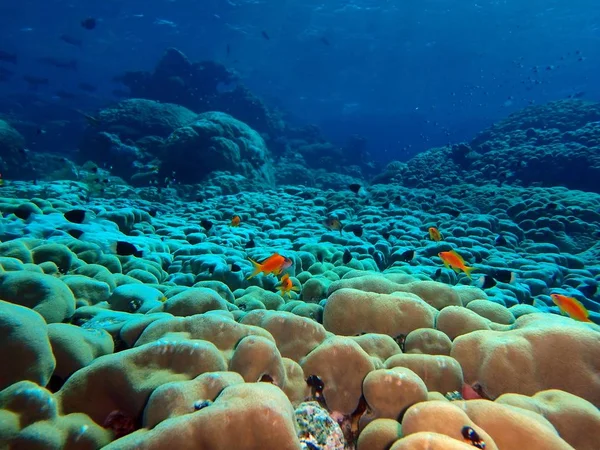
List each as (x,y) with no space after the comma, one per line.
(257,269)
(468,270)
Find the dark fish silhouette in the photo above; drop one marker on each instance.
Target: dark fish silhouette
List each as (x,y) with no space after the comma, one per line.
(347,256)
(408,255)
(76,215)
(486,282)
(358,231)
(87,87)
(501,240)
(265,35)
(8,57)
(22,213)
(71,40)
(35,82)
(206,224)
(355,187)
(89,23)
(67,64)
(75,233)
(66,95)
(124,248)
(505,276)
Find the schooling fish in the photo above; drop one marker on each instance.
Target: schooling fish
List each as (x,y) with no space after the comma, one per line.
(235,221)
(485,282)
(286,286)
(333,224)
(454,261)
(434,234)
(274,264)
(571,306)
(124,248)
(76,215)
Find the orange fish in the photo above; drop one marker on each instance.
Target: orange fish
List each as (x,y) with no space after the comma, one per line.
(571,306)
(453,260)
(286,285)
(434,234)
(274,264)
(235,221)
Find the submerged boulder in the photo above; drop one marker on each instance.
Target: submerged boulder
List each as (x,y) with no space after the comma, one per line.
(216,141)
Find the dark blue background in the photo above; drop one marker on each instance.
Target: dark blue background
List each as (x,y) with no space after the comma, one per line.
(408,75)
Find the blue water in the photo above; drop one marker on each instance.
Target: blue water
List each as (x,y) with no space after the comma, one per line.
(405,75)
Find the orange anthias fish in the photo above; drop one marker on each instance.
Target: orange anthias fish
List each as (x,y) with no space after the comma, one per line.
(274,264)
(571,306)
(434,234)
(453,260)
(235,221)
(286,286)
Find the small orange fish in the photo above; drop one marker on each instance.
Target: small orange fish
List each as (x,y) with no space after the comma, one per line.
(453,260)
(274,264)
(286,286)
(235,221)
(434,234)
(333,224)
(571,306)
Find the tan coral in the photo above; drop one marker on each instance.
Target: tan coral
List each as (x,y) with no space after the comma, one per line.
(492,311)
(219,329)
(295,336)
(379,435)
(123,381)
(342,365)
(380,347)
(573,417)
(76,347)
(243,417)
(455,321)
(542,352)
(389,392)
(30,419)
(439,372)
(428,341)
(428,441)
(257,358)
(352,312)
(184,397)
(25,352)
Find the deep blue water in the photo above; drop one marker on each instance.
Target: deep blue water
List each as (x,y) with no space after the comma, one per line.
(407,75)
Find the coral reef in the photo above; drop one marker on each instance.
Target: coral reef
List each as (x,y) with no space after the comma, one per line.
(555,144)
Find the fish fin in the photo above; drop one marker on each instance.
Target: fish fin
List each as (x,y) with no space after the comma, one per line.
(468,270)
(446,264)
(257,269)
